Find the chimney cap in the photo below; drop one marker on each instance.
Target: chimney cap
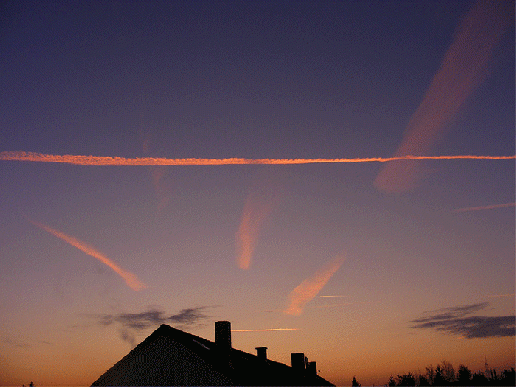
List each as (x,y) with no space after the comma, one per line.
(261,352)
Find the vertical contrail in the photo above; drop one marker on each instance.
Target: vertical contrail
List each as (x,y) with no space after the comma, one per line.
(462,70)
(309,288)
(257,208)
(254,214)
(130,279)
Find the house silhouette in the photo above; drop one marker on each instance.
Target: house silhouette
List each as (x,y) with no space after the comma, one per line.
(170,357)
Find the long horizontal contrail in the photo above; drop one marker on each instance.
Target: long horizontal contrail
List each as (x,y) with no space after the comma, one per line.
(489,207)
(265,330)
(122,161)
(130,279)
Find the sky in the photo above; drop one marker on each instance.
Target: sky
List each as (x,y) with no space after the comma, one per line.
(157,165)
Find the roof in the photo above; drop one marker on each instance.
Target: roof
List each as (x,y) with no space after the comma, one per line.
(170,356)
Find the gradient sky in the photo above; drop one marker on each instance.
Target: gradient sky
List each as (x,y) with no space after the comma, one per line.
(370,269)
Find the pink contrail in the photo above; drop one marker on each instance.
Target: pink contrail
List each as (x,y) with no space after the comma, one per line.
(309,288)
(257,209)
(138,161)
(265,330)
(130,279)
(489,207)
(462,70)
(253,216)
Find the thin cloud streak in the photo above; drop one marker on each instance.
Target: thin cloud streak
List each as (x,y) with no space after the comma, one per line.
(309,288)
(334,305)
(130,279)
(266,330)
(142,161)
(481,208)
(463,69)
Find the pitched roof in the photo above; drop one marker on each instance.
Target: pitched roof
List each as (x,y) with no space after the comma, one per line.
(170,356)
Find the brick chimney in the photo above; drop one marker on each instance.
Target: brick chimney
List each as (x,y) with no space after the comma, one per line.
(298,362)
(261,352)
(311,368)
(223,335)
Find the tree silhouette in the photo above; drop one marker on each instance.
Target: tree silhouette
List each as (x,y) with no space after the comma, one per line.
(438,377)
(463,375)
(444,375)
(422,381)
(447,372)
(509,377)
(479,379)
(430,374)
(406,380)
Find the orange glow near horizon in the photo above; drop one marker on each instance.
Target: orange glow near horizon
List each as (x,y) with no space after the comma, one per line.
(489,207)
(463,69)
(139,161)
(309,288)
(130,279)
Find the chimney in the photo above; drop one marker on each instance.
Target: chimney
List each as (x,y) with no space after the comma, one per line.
(261,352)
(298,362)
(223,335)
(311,368)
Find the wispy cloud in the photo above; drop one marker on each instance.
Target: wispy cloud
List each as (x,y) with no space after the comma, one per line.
(462,70)
(153,317)
(18,343)
(139,161)
(309,288)
(130,279)
(457,321)
(132,322)
(481,208)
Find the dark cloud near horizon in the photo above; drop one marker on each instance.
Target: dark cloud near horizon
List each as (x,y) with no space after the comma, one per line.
(143,320)
(132,322)
(453,312)
(456,321)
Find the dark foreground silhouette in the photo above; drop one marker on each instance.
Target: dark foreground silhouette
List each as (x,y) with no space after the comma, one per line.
(445,375)
(170,357)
